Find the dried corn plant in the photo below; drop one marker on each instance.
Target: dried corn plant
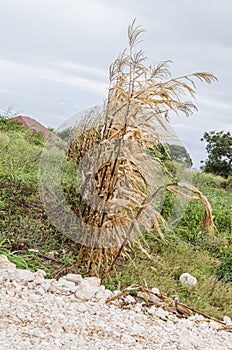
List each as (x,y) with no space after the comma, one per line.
(117,153)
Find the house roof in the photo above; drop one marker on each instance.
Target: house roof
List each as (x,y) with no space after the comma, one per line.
(33,125)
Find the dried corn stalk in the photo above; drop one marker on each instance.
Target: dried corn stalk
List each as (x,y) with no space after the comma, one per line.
(121,185)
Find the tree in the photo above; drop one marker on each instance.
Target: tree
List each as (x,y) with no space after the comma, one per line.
(219,149)
(64,134)
(179,154)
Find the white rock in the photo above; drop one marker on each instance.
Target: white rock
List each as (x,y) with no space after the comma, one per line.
(150,297)
(65,286)
(59,321)
(72,277)
(227,320)
(128,339)
(137,329)
(22,275)
(61,286)
(3,259)
(93,281)
(214,325)
(52,286)
(155,290)
(4,275)
(116,291)
(203,325)
(41,291)
(10,292)
(138,307)
(102,293)
(152,310)
(6,265)
(188,279)
(87,289)
(129,299)
(81,307)
(40,274)
(197,317)
(161,313)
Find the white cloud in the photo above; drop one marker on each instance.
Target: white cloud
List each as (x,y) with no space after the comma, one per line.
(19,69)
(204,101)
(3,90)
(67,65)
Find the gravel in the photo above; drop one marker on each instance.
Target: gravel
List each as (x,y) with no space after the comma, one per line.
(71,313)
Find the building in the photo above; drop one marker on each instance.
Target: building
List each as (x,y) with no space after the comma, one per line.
(33,125)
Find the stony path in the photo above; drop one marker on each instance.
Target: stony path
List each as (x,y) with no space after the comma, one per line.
(71,314)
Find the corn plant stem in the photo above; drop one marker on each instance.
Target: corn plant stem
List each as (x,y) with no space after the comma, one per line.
(144,204)
(121,140)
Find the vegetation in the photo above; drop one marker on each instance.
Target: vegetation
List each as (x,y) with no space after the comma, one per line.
(219,149)
(65,134)
(136,95)
(31,241)
(122,146)
(179,154)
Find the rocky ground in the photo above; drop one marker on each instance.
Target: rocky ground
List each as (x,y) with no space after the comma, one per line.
(72,313)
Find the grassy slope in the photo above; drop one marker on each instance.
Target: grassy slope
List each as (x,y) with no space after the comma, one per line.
(24,225)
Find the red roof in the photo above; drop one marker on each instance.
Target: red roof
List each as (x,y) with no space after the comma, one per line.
(33,125)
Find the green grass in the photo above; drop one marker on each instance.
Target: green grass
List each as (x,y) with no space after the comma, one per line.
(24,226)
(210,295)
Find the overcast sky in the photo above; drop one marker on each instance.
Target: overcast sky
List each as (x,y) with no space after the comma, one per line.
(55,54)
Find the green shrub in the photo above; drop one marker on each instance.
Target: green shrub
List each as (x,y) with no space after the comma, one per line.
(209,180)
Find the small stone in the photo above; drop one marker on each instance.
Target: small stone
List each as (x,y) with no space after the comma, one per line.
(203,325)
(188,279)
(102,293)
(227,320)
(150,297)
(86,290)
(152,310)
(65,286)
(10,292)
(40,290)
(138,307)
(214,325)
(128,339)
(129,299)
(4,276)
(72,277)
(40,274)
(155,290)
(93,281)
(21,316)
(137,329)
(116,291)
(22,275)
(197,317)
(52,286)
(160,313)
(6,265)
(81,307)
(63,283)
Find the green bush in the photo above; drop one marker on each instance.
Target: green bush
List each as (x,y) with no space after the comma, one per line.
(208,180)
(19,153)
